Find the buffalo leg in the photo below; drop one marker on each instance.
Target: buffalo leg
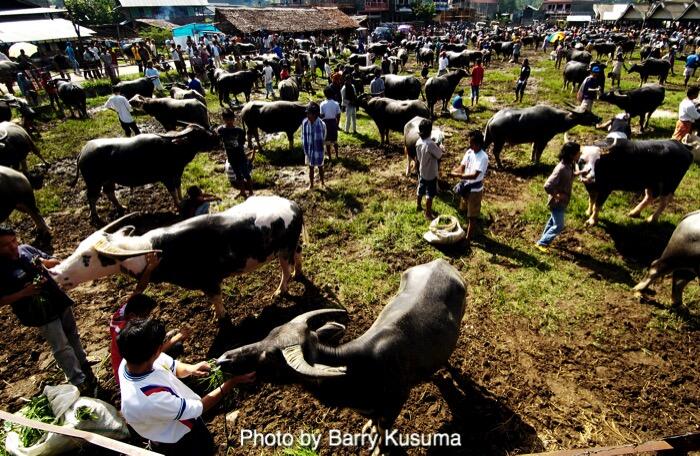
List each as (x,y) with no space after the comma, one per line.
(218,303)
(286,274)
(23,166)
(36,217)
(642,205)
(680,280)
(290,138)
(537,149)
(593,219)
(589,210)
(408,161)
(497,148)
(298,273)
(93,196)
(662,205)
(109,191)
(173,194)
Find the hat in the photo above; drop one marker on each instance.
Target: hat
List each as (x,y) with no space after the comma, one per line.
(313,108)
(595,69)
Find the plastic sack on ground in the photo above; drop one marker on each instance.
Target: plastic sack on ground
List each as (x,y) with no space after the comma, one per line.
(444,230)
(70,410)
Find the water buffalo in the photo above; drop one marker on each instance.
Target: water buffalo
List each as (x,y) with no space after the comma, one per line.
(139,160)
(640,102)
(605,48)
(391,114)
(401,87)
(16,193)
(426,55)
(8,74)
(73,96)
(536,125)
(412,337)
(289,90)
(140,86)
(578,56)
(272,117)
(377,48)
(235,83)
(181,93)
(402,55)
(5,111)
(15,145)
(169,112)
(651,67)
(681,258)
(359,59)
(574,73)
(463,59)
(655,166)
(411,136)
(442,88)
(197,253)
(245,48)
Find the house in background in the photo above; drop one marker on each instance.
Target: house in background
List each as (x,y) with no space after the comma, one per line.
(170,10)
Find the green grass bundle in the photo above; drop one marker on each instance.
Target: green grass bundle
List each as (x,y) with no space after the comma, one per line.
(215,379)
(85,413)
(38,408)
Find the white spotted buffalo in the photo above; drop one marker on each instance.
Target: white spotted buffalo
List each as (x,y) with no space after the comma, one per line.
(15,145)
(73,96)
(412,337)
(179,92)
(140,86)
(139,160)
(401,87)
(16,193)
(411,137)
(197,253)
(641,102)
(655,166)
(272,117)
(169,112)
(228,84)
(536,125)
(681,258)
(442,87)
(651,67)
(391,114)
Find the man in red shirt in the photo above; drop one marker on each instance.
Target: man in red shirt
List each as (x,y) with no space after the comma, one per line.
(477,79)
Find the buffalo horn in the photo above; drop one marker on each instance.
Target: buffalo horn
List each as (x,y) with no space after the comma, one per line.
(106,248)
(3,134)
(294,356)
(306,318)
(109,228)
(570,105)
(566,137)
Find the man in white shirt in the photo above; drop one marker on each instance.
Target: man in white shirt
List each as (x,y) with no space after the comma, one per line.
(428,155)
(330,115)
(121,106)
(687,114)
(472,170)
(267,76)
(443,62)
(155,403)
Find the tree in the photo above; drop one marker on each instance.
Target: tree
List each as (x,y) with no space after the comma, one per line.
(93,11)
(507,6)
(424,10)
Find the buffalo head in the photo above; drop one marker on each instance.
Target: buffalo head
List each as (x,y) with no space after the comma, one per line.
(636,68)
(294,345)
(107,251)
(583,117)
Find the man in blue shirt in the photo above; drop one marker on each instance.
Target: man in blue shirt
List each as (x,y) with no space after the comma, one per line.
(691,63)
(277,50)
(37,301)
(195,84)
(590,88)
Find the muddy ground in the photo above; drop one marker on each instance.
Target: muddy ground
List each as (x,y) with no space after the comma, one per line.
(509,388)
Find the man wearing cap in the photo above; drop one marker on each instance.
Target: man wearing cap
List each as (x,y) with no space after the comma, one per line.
(590,88)
(313,136)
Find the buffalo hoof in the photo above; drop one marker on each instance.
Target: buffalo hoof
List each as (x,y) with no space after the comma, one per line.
(591,222)
(279,293)
(651,218)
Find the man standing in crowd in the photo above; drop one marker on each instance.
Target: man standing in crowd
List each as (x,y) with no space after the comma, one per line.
(122,107)
(472,170)
(37,301)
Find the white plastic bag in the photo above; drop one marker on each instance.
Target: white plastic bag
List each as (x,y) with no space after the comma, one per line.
(65,401)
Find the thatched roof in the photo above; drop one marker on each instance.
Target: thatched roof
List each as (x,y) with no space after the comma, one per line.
(283,20)
(157,23)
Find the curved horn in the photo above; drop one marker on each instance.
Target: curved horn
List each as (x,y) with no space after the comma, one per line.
(3,134)
(314,314)
(106,248)
(109,227)
(614,143)
(294,356)
(566,137)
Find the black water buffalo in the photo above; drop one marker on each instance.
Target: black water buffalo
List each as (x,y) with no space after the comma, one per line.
(182,93)
(606,49)
(359,59)
(169,112)
(245,48)
(16,193)
(536,125)
(681,258)
(391,114)
(655,166)
(411,136)
(578,56)
(234,83)
(8,74)
(651,67)
(73,96)
(139,160)
(15,145)
(628,46)
(412,337)
(289,90)
(463,59)
(426,55)
(574,73)
(197,253)
(377,48)
(454,47)
(272,117)
(504,49)
(442,87)
(5,111)
(640,102)
(401,87)
(141,86)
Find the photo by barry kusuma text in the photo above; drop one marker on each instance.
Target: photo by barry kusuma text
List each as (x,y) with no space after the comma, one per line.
(334,438)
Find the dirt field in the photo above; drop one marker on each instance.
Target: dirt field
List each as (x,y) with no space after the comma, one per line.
(555,350)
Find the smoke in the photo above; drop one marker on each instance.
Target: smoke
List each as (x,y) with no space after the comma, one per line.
(165,13)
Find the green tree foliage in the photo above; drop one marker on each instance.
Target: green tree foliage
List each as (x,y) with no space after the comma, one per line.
(424,10)
(156,34)
(507,6)
(93,11)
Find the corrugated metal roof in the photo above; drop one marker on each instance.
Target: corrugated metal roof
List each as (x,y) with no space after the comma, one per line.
(162,3)
(40,30)
(26,11)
